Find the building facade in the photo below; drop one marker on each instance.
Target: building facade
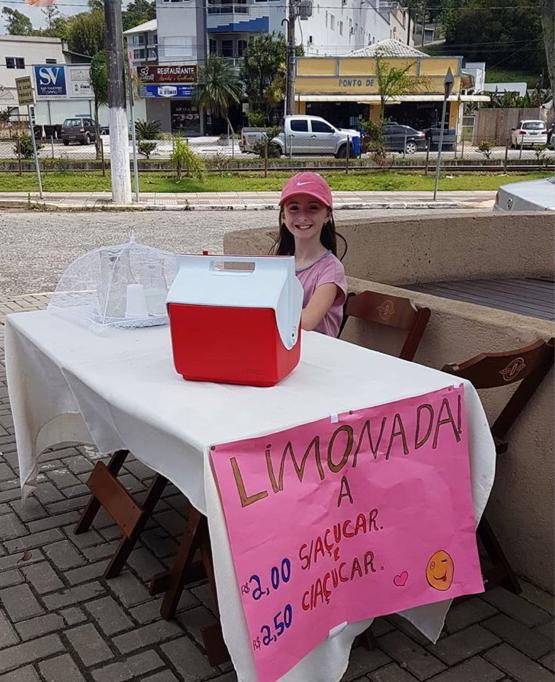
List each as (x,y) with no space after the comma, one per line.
(60,80)
(346,90)
(186,32)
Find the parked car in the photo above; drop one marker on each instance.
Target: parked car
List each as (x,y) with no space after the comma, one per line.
(530,195)
(529,133)
(449,138)
(78,129)
(314,135)
(249,138)
(398,138)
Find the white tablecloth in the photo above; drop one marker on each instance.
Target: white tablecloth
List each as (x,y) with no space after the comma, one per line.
(121,391)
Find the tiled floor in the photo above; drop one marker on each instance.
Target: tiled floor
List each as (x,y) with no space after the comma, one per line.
(61,621)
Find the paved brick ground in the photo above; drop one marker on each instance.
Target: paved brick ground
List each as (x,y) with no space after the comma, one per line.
(60,621)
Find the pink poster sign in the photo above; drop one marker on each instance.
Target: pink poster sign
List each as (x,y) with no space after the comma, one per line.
(344,519)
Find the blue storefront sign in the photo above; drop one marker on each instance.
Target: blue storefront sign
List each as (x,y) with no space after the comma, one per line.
(50,80)
(166,90)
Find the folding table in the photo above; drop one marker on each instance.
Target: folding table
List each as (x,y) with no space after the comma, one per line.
(119,391)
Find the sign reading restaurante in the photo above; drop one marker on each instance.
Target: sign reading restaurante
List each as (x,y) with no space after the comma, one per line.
(168,74)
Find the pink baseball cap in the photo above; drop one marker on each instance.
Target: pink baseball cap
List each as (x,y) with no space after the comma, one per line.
(307,183)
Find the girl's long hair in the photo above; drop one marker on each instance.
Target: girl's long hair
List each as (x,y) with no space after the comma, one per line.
(285,242)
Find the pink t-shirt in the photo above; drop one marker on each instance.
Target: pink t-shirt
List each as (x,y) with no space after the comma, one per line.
(327,269)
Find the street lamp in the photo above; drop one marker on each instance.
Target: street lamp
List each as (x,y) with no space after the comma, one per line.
(447,88)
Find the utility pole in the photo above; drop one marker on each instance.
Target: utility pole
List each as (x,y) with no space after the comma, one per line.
(119,144)
(290,51)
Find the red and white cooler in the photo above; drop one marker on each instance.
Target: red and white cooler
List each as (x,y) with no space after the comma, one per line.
(235,319)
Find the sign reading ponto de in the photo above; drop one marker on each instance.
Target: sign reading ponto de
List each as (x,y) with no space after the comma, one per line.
(50,80)
(334,522)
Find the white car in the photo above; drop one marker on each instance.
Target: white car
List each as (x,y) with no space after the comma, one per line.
(530,195)
(529,134)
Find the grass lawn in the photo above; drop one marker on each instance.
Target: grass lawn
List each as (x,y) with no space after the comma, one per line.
(252,182)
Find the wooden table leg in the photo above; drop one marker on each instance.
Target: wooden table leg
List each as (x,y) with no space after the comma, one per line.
(128,541)
(173,581)
(109,493)
(92,508)
(183,570)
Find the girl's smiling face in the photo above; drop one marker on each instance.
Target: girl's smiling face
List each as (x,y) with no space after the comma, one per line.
(304,216)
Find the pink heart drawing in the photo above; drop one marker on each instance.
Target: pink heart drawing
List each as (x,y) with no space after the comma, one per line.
(401,579)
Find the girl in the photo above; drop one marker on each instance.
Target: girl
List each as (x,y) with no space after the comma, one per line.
(307,231)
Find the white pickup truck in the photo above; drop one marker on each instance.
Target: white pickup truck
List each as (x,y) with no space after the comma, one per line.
(303,135)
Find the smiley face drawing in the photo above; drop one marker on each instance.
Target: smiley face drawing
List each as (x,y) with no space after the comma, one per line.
(439,571)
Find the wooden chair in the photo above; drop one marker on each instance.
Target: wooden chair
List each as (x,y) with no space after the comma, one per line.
(390,311)
(529,366)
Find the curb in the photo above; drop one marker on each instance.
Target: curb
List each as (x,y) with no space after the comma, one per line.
(37,205)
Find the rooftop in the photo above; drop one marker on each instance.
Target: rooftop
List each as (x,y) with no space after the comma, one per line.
(388,48)
(148,26)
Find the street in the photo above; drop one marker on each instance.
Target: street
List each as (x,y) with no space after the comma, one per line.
(210,146)
(37,247)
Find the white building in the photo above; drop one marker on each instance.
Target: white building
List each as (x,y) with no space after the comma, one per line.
(71,94)
(185,32)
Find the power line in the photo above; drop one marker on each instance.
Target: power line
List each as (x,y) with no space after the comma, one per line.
(280,5)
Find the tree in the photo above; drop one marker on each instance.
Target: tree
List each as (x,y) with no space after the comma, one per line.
(263,73)
(17,23)
(510,37)
(51,13)
(137,12)
(218,88)
(58,28)
(548,25)
(392,81)
(99,84)
(85,33)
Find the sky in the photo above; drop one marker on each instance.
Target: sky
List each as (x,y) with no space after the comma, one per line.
(66,8)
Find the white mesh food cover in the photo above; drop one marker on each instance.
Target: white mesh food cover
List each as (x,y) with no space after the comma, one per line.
(116,286)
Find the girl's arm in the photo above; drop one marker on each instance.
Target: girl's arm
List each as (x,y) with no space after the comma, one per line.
(321,301)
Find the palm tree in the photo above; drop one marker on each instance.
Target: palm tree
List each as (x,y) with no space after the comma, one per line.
(218,88)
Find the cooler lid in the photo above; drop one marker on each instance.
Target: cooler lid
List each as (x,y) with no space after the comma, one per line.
(243,282)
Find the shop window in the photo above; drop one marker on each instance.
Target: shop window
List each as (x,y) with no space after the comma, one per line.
(185,117)
(241,47)
(213,46)
(227,48)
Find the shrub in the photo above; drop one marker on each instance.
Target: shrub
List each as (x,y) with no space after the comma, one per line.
(485,148)
(186,161)
(147,130)
(540,153)
(266,145)
(220,162)
(146,148)
(255,119)
(373,141)
(24,145)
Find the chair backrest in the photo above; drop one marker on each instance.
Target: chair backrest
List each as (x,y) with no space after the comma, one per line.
(390,311)
(528,365)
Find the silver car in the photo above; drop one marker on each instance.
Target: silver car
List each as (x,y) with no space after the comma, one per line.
(530,195)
